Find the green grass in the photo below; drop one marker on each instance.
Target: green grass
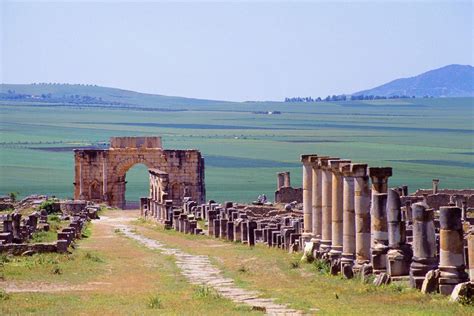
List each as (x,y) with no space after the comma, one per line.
(417,140)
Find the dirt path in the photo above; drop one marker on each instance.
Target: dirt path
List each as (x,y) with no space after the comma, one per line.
(199,270)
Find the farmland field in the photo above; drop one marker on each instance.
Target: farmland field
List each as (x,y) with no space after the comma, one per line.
(421,139)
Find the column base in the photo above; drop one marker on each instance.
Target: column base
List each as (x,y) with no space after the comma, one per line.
(398,261)
(324,248)
(379,258)
(347,262)
(418,269)
(449,277)
(335,259)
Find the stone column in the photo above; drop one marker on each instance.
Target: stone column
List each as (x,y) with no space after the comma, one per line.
(316,200)
(451,256)
(424,244)
(435,186)
(326,204)
(378,218)
(362,215)
(400,254)
(348,244)
(470,253)
(210,222)
(379,177)
(337,213)
(307,194)
(280,180)
(286,179)
(16,219)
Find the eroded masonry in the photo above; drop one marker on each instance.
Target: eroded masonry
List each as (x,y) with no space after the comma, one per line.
(352,219)
(100,174)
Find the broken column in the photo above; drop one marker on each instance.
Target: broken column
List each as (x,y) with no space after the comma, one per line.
(362,215)
(280,180)
(286,179)
(326,204)
(336,214)
(348,244)
(435,186)
(16,218)
(451,256)
(378,217)
(400,254)
(307,194)
(424,244)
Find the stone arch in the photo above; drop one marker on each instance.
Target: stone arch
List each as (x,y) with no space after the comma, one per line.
(108,167)
(121,168)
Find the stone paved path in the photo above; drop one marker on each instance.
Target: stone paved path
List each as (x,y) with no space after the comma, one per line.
(199,270)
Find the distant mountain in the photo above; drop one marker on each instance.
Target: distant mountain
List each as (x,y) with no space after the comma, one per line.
(448,81)
(82,94)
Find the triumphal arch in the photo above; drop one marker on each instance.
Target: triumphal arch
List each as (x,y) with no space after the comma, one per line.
(100,173)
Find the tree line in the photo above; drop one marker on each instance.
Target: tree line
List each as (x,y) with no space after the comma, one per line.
(343,97)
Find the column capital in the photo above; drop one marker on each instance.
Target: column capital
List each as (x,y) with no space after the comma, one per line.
(306,158)
(336,164)
(314,160)
(345,170)
(358,170)
(323,162)
(380,172)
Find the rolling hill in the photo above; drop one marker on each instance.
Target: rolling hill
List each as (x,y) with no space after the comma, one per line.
(448,81)
(95,95)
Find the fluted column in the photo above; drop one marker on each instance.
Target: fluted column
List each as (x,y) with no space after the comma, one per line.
(326,204)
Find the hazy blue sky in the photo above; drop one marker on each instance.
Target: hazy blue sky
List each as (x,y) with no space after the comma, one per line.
(231,50)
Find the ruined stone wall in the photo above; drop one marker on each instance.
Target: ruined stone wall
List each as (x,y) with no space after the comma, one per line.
(288,195)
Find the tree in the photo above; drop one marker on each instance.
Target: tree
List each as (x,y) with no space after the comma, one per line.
(13,196)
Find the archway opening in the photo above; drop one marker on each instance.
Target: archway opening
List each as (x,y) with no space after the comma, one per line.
(137,185)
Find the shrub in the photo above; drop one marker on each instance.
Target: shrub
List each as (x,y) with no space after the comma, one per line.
(4,295)
(13,196)
(294,264)
(154,302)
(47,206)
(205,291)
(322,266)
(57,270)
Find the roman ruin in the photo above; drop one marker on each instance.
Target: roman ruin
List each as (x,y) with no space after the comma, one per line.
(100,174)
(345,214)
(349,217)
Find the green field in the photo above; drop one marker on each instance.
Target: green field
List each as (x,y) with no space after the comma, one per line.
(421,139)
